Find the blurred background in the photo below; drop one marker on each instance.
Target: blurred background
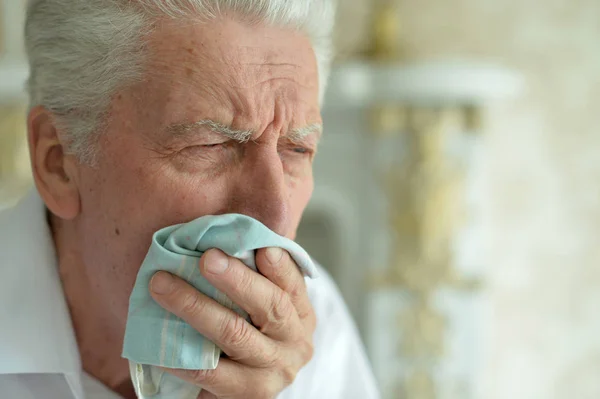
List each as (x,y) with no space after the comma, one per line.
(458,190)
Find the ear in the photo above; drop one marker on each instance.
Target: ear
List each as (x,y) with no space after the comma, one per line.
(54,172)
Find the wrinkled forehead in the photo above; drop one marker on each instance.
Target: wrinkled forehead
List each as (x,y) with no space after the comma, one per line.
(237,53)
(244,77)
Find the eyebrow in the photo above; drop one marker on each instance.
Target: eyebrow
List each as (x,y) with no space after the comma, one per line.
(295,135)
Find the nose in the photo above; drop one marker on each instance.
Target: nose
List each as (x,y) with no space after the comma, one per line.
(260,190)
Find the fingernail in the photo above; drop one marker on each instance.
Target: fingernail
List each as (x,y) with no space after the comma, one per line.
(162,283)
(274,255)
(216,262)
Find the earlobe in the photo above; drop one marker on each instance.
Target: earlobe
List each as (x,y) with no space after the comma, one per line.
(54,171)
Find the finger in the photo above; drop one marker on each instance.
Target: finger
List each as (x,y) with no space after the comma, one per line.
(228,330)
(270,308)
(278,266)
(234,380)
(204,394)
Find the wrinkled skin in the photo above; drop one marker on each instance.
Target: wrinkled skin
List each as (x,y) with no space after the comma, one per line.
(257,78)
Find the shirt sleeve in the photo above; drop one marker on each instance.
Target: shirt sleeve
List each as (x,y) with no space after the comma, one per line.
(339,368)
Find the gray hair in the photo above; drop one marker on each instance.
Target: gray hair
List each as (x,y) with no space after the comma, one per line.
(82,51)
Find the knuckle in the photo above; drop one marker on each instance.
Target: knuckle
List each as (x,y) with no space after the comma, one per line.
(307,351)
(297,290)
(265,391)
(236,331)
(284,268)
(203,377)
(243,280)
(191,303)
(272,358)
(288,375)
(297,283)
(281,307)
(310,319)
(285,369)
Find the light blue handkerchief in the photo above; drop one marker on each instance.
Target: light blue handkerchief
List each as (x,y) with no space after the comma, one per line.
(155,337)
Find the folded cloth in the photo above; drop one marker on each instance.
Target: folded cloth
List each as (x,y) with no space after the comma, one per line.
(155,337)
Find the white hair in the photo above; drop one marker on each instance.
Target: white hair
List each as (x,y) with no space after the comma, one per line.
(82,51)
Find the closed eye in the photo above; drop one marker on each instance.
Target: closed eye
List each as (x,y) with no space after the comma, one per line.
(203,149)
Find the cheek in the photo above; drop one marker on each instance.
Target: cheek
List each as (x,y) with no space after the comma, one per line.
(300,194)
(121,210)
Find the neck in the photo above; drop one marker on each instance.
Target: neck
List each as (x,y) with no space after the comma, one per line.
(99,337)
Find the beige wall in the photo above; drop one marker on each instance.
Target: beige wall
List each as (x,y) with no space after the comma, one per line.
(14,160)
(543,194)
(14,164)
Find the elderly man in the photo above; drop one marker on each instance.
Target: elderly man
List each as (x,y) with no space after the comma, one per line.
(150,113)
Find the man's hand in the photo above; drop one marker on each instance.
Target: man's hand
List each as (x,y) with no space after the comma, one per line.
(263,360)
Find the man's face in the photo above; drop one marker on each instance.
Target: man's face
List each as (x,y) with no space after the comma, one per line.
(158,166)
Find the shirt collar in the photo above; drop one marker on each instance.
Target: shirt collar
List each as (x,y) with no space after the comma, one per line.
(36,335)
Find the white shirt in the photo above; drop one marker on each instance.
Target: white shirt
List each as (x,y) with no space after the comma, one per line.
(38,351)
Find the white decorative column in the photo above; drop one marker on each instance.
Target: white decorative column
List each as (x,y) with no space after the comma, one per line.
(425,313)
(14,164)
(13,67)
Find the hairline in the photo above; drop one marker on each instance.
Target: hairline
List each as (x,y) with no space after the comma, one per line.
(118,31)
